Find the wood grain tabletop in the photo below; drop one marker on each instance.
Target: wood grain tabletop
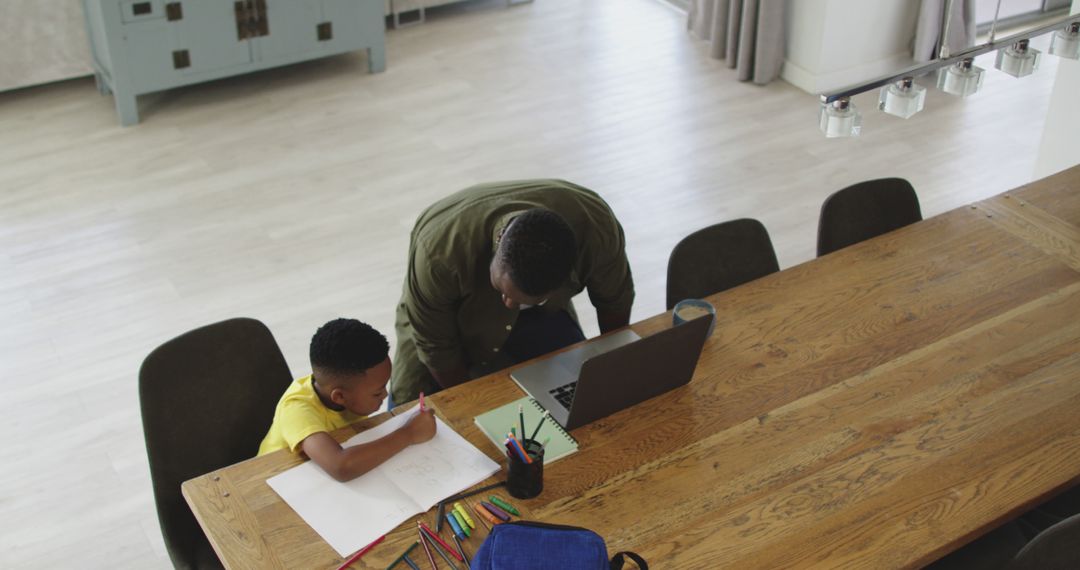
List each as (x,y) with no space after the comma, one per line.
(874,408)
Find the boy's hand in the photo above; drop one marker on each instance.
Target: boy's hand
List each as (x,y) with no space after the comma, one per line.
(420,427)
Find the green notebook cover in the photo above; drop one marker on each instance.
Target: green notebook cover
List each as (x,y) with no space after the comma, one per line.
(496,423)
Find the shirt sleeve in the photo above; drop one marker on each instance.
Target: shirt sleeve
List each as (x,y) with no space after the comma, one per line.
(431,303)
(610,283)
(298,421)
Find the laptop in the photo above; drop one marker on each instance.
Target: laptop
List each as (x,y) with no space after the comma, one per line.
(628,370)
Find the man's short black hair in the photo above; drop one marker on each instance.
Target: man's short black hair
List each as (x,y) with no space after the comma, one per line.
(537,250)
(347,345)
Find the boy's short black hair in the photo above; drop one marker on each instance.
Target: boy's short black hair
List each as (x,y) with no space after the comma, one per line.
(346,346)
(537,250)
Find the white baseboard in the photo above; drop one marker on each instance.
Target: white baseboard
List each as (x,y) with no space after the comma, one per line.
(820,83)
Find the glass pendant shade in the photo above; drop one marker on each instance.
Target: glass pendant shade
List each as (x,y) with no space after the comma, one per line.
(963,79)
(1018,60)
(1066,43)
(840,119)
(903,98)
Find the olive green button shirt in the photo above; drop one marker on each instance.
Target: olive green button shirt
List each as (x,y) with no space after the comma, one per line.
(450,316)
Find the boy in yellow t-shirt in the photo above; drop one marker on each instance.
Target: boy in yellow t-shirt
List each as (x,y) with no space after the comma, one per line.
(350,366)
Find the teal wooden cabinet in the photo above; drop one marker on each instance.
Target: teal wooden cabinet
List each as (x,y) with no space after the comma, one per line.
(142,46)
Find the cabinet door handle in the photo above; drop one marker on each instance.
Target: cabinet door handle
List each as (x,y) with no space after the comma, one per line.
(251,20)
(181,59)
(262,22)
(174,11)
(243,19)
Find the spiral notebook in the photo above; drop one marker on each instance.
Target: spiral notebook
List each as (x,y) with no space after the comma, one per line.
(496,423)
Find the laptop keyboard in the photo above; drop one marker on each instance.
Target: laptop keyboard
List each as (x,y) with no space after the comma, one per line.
(564,394)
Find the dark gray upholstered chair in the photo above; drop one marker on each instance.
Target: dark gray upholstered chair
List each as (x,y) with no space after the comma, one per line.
(207,400)
(865,210)
(718,258)
(1053,511)
(1041,539)
(992,551)
(1056,548)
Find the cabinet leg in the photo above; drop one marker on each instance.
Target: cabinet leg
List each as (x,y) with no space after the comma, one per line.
(376,56)
(102,87)
(127,106)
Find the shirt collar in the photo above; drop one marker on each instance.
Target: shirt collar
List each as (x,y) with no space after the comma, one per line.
(500,227)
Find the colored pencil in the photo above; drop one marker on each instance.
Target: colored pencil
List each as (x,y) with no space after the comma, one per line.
(461,551)
(427,549)
(442,553)
(467,494)
(432,534)
(520,450)
(423,408)
(540,423)
(521,419)
(439,517)
(360,553)
(403,555)
(511,448)
(411,564)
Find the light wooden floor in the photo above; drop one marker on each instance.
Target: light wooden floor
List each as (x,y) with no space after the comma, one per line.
(288,196)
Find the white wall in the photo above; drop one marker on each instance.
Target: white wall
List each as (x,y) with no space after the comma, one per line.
(1060,147)
(834,43)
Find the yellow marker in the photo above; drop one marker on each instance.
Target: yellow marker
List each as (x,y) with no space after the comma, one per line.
(464,515)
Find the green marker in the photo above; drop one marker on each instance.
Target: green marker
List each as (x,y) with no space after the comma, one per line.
(461,522)
(504,505)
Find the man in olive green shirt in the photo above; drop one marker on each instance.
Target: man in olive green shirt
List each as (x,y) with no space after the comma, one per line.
(490,275)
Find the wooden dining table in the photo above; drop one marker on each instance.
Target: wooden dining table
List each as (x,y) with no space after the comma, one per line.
(877,407)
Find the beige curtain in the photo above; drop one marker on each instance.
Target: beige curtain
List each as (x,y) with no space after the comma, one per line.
(748,34)
(961,32)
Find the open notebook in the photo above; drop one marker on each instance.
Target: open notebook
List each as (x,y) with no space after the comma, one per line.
(496,423)
(349,516)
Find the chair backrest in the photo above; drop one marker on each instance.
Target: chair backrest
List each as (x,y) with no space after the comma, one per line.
(717,258)
(865,210)
(207,399)
(1056,548)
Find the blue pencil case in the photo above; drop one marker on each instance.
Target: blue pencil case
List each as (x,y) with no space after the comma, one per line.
(527,545)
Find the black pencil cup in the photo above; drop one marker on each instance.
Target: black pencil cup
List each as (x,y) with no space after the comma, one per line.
(525,480)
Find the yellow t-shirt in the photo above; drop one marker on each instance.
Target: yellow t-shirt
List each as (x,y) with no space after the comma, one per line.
(299,414)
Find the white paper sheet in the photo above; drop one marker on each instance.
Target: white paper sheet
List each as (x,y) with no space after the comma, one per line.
(349,516)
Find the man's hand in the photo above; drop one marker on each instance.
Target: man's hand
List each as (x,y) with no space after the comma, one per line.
(421,427)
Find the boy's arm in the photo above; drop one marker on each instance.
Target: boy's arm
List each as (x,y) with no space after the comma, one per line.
(345,464)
